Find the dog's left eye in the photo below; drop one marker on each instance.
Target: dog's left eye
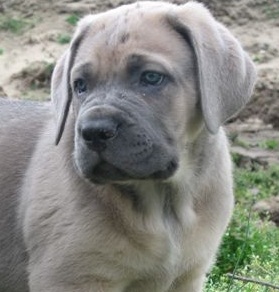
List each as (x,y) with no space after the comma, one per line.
(152,78)
(80,86)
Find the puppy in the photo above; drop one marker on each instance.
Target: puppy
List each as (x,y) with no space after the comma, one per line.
(137,192)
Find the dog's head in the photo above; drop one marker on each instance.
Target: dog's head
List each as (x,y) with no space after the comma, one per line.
(143,80)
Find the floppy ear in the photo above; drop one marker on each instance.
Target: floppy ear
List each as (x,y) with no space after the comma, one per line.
(61,94)
(61,91)
(226,74)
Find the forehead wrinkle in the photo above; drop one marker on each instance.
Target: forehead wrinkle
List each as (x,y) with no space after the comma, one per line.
(107,50)
(83,68)
(118,30)
(145,58)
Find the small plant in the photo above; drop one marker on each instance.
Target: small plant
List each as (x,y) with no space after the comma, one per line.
(14,25)
(236,158)
(1,51)
(270,144)
(73,19)
(63,39)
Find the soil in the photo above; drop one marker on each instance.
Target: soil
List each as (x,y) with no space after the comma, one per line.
(30,46)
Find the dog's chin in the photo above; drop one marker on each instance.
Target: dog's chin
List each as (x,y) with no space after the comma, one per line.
(104,172)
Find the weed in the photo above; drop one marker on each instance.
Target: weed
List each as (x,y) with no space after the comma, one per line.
(63,39)
(270,144)
(1,51)
(73,19)
(14,25)
(236,158)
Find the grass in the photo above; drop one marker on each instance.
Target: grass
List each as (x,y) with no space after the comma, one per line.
(14,25)
(73,19)
(250,246)
(270,144)
(63,39)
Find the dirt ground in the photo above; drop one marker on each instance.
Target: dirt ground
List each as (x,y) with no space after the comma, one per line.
(34,33)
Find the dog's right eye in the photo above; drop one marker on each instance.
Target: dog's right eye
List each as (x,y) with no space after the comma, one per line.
(80,86)
(152,78)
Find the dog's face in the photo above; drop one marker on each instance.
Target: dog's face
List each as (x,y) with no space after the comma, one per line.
(134,94)
(134,75)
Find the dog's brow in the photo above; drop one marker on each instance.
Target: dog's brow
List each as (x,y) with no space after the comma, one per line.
(138,61)
(85,69)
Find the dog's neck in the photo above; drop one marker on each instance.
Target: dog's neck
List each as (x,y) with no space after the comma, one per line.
(145,196)
(165,202)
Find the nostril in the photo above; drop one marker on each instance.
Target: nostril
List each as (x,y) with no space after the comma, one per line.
(89,134)
(86,134)
(105,134)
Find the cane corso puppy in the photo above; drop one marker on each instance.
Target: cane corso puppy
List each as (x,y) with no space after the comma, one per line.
(126,186)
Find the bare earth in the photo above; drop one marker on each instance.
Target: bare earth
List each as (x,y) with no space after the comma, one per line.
(28,55)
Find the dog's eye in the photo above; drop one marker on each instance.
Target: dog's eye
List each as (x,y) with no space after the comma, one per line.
(152,78)
(80,86)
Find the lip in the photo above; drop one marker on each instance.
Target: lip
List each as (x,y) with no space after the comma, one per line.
(167,172)
(105,172)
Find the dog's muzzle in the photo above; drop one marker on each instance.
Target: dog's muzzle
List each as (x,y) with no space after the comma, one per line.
(112,144)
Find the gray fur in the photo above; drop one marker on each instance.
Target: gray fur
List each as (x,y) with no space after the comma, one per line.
(20,125)
(138,191)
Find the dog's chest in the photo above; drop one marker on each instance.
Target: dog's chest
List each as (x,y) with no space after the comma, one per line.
(145,248)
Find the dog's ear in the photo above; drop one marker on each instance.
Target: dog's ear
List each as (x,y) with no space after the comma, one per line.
(226,74)
(61,94)
(61,91)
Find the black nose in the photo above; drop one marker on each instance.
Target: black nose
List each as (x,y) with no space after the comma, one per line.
(97,132)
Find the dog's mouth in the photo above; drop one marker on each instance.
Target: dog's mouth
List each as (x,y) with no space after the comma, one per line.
(102,171)
(100,168)
(105,172)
